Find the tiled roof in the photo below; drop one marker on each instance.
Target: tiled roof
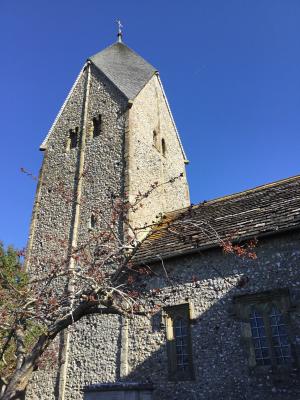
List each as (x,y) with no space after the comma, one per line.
(126,69)
(263,210)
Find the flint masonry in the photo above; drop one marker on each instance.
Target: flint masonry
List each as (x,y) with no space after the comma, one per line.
(231,327)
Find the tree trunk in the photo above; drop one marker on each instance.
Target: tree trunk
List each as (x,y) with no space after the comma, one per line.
(16,387)
(13,391)
(18,395)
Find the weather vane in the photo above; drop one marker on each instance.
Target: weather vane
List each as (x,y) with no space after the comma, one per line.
(120,34)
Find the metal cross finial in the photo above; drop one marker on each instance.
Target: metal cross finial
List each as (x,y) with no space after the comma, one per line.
(120,34)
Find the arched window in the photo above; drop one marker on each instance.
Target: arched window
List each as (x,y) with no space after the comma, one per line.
(163,147)
(259,337)
(97,126)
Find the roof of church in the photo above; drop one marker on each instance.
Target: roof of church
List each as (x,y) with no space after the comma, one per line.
(266,209)
(126,69)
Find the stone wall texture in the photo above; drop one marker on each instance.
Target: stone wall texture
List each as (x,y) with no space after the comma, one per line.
(53,212)
(119,162)
(209,281)
(146,162)
(53,220)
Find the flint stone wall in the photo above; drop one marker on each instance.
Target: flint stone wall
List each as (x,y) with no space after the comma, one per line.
(109,162)
(146,162)
(210,280)
(53,213)
(52,224)
(100,351)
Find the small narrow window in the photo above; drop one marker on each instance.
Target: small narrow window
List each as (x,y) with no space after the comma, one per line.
(180,330)
(97,126)
(73,138)
(163,147)
(93,221)
(179,344)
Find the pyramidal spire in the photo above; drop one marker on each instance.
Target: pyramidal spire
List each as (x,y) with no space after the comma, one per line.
(120,33)
(128,71)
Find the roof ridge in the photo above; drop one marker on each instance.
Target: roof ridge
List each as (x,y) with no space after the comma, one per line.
(254,189)
(237,194)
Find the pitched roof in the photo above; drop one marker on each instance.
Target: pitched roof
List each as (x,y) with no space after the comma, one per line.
(126,69)
(266,209)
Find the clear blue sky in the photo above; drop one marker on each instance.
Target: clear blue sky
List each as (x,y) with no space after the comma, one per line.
(231,71)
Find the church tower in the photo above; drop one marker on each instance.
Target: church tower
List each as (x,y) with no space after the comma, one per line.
(113,137)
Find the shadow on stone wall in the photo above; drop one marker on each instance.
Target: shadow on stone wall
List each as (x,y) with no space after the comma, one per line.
(220,357)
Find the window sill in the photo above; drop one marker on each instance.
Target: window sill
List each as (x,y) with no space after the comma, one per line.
(280,371)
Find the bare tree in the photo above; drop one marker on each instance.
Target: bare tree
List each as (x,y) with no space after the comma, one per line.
(97,276)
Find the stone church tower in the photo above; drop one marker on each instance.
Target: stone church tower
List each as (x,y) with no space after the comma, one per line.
(114,136)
